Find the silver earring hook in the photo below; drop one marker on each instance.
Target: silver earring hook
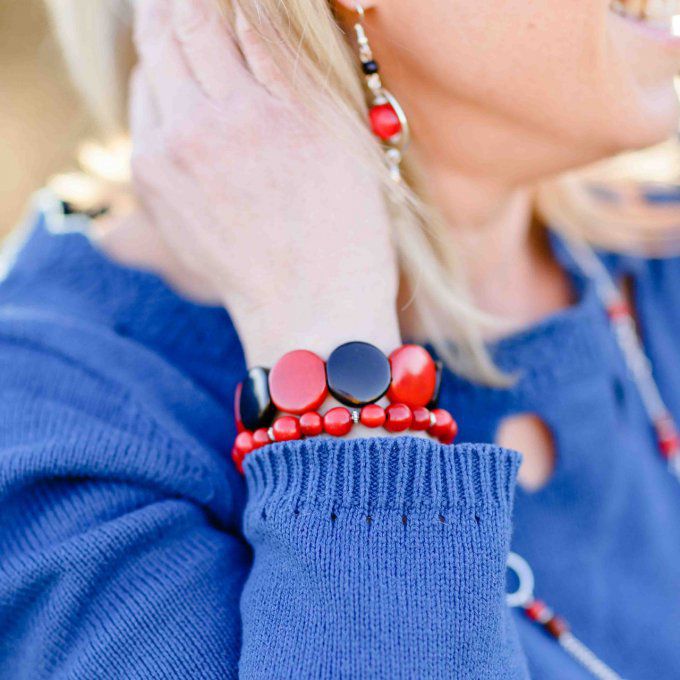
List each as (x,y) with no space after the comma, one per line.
(360,11)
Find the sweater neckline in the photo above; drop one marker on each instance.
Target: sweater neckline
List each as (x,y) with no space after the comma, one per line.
(565,348)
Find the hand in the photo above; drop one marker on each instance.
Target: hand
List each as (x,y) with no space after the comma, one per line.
(252,192)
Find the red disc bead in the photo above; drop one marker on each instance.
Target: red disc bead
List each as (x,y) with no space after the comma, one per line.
(414,376)
(445,427)
(311,424)
(421,418)
(286,429)
(337,422)
(261,438)
(372,415)
(399,418)
(297,383)
(385,122)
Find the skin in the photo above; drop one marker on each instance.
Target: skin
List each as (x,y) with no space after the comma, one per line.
(500,94)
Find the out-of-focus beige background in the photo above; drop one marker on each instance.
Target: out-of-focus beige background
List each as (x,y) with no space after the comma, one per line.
(41,119)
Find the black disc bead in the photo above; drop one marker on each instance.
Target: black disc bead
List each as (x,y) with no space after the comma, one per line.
(255,405)
(358,373)
(437,386)
(370,67)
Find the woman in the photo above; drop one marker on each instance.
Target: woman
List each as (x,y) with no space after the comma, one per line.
(130,547)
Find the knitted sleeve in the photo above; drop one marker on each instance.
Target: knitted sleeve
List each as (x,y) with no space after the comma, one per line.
(127,547)
(379,558)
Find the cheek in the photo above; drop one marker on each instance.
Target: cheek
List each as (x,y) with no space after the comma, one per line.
(545,65)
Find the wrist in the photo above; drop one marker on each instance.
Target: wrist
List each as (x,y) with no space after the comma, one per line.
(266,337)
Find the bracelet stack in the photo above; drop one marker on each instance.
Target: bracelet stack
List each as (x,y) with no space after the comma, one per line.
(358,375)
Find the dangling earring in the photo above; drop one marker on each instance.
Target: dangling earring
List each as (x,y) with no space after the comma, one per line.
(387,118)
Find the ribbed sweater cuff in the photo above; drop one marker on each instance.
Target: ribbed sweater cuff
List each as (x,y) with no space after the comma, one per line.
(402,473)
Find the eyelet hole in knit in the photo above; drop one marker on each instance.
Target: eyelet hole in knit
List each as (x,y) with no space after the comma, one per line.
(333,517)
(531,436)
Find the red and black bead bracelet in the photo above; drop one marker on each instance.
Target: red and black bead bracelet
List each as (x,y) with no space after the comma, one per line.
(339,421)
(358,375)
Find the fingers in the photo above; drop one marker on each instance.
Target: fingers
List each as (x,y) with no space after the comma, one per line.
(161,57)
(258,56)
(209,47)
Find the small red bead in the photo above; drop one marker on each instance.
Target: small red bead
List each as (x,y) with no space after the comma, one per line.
(444,424)
(670,446)
(311,424)
(286,429)
(421,418)
(449,436)
(414,376)
(619,310)
(238,459)
(297,383)
(244,443)
(556,626)
(399,418)
(372,415)
(535,610)
(240,427)
(338,421)
(261,438)
(385,122)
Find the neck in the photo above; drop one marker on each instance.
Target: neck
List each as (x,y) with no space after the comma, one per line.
(507,258)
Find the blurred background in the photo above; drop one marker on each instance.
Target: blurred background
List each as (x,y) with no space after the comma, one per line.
(43,125)
(41,119)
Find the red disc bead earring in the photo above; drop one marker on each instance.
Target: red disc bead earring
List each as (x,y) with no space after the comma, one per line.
(385,122)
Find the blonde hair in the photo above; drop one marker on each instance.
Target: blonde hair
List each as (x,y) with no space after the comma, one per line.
(435,300)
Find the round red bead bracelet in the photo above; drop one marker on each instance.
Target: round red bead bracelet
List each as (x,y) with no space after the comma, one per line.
(339,421)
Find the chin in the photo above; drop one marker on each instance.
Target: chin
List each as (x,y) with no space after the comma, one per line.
(644,106)
(655,120)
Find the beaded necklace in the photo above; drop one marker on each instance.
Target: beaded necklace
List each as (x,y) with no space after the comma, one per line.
(624,327)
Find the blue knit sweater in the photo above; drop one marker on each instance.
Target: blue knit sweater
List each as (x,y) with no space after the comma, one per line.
(130,547)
